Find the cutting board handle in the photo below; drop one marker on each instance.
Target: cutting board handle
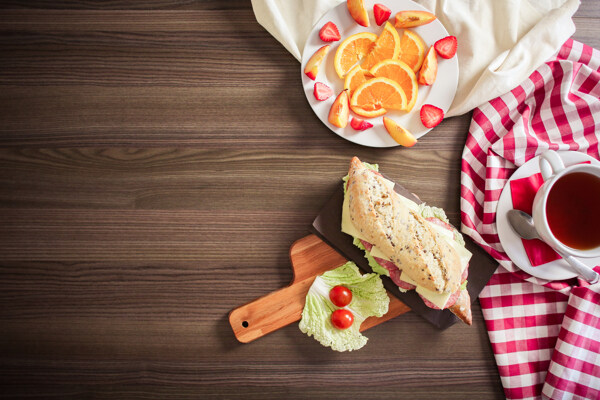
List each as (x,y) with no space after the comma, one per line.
(270,312)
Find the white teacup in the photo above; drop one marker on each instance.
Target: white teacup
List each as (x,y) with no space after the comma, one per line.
(553,170)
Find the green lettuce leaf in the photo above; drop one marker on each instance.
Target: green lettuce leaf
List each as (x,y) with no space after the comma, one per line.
(433,212)
(458,237)
(375,266)
(369,298)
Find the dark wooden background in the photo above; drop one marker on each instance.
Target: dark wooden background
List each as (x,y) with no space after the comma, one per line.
(157,159)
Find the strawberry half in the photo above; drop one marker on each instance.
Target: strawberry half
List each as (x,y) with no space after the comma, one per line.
(322,91)
(360,124)
(431,115)
(381,13)
(329,33)
(446,47)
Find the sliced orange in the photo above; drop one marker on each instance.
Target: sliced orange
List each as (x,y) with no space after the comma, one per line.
(369,111)
(356,77)
(386,47)
(352,50)
(412,50)
(398,71)
(376,96)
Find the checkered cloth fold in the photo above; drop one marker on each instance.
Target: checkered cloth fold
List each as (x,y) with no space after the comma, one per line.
(545,335)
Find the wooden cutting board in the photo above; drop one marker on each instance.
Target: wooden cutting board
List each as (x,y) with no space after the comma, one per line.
(310,256)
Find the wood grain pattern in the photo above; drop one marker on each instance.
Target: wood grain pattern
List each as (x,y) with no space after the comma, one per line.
(310,257)
(157,160)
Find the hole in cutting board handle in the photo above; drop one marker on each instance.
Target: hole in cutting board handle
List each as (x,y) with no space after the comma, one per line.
(245,324)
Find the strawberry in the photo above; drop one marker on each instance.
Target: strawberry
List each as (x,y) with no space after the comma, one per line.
(446,47)
(381,13)
(431,115)
(322,91)
(329,33)
(360,124)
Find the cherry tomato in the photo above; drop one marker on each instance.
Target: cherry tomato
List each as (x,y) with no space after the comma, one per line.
(342,318)
(341,296)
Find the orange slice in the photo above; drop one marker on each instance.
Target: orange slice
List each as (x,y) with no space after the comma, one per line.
(369,111)
(356,77)
(386,47)
(398,71)
(412,50)
(376,96)
(352,50)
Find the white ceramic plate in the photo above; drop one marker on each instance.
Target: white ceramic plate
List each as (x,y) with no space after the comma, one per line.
(440,94)
(511,242)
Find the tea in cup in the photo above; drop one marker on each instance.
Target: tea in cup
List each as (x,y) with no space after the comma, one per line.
(566,208)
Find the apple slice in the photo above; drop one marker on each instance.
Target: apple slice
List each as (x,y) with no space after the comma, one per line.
(412,18)
(428,71)
(340,110)
(312,66)
(398,133)
(358,11)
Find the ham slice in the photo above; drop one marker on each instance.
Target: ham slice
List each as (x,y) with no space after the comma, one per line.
(393,269)
(368,246)
(395,273)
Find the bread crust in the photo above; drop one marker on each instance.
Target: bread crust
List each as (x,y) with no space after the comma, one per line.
(462,307)
(399,232)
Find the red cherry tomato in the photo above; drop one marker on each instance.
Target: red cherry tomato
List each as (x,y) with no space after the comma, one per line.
(341,296)
(342,318)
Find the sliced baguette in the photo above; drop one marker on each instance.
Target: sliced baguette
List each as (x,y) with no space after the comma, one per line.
(400,233)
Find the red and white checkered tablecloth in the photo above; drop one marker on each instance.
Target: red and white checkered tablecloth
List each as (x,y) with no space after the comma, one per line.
(545,335)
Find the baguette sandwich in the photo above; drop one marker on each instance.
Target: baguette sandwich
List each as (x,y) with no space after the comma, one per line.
(413,244)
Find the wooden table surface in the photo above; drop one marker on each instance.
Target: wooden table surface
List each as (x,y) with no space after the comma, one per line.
(157,160)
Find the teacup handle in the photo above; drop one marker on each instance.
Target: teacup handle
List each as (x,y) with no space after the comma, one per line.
(550,164)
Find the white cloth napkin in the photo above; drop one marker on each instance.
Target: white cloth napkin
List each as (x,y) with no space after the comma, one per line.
(500,42)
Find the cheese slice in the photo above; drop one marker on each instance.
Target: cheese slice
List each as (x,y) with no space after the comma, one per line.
(375,252)
(439,299)
(347,225)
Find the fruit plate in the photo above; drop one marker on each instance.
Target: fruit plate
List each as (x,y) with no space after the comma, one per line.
(440,94)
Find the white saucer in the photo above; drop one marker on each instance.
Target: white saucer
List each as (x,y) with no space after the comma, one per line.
(511,242)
